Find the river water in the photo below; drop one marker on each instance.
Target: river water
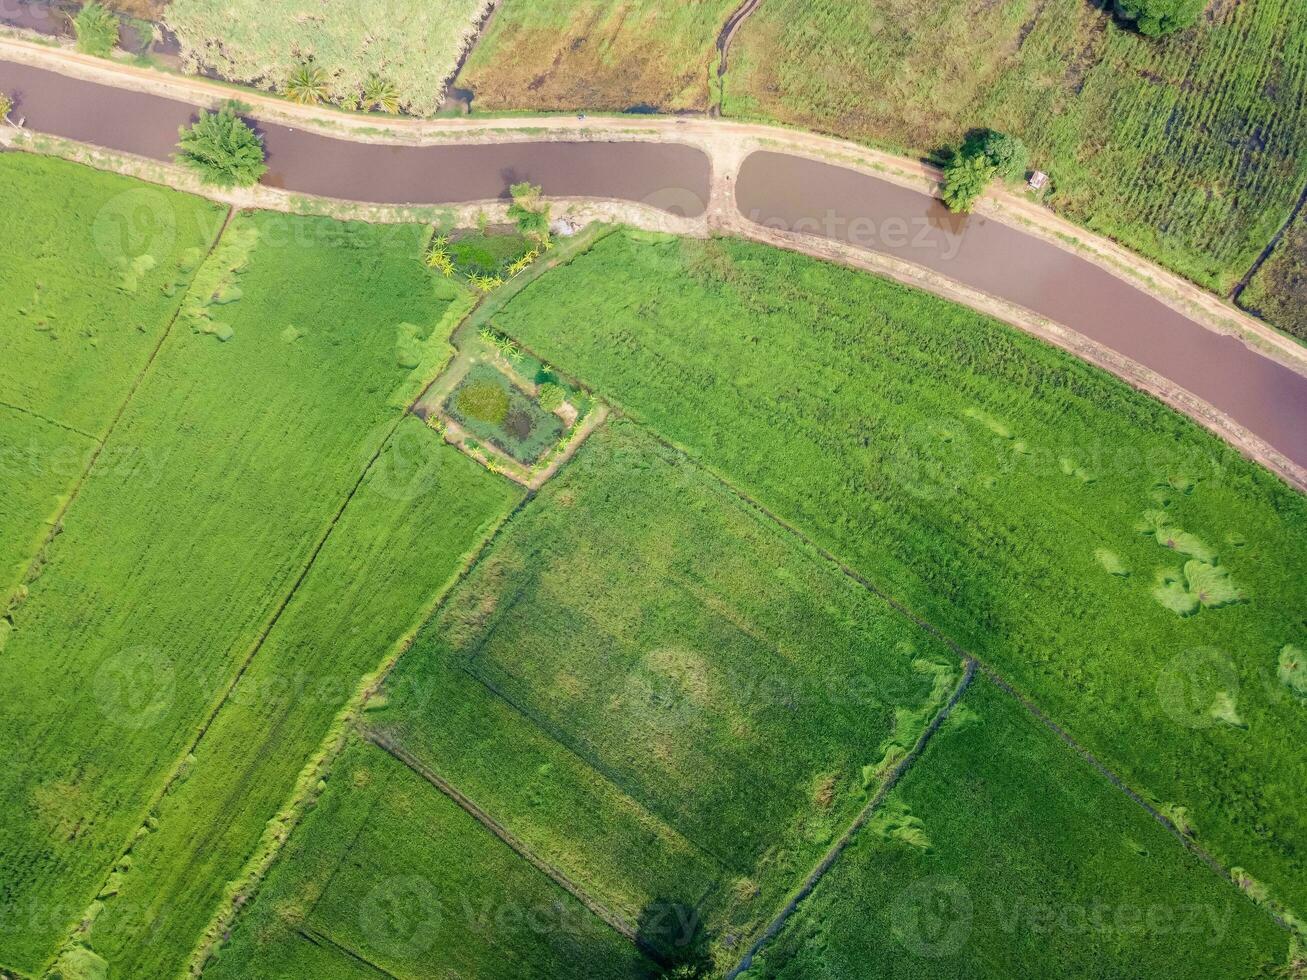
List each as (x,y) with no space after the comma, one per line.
(670,176)
(795,194)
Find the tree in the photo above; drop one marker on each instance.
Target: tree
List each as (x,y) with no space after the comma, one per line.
(96,29)
(1157,17)
(308,85)
(529,212)
(380,94)
(965,178)
(550,396)
(1007,153)
(222,149)
(6,106)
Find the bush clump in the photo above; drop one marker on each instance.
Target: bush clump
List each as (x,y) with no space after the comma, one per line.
(222,149)
(484,401)
(550,396)
(1157,17)
(96,28)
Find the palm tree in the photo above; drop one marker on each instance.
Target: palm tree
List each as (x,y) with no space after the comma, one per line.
(307,85)
(380,94)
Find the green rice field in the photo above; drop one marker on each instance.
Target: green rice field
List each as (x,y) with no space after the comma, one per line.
(664,724)
(960,876)
(1131,574)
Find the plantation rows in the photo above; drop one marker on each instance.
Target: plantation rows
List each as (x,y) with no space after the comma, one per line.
(1191,149)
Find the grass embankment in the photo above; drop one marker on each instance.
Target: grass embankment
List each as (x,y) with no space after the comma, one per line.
(1278,291)
(387,874)
(258,415)
(1001,854)
(90,278)
(596,54)
(665,725)
(1132,574)
(413,46)
(1190,149)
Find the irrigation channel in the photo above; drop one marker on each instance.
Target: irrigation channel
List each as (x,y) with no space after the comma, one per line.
(771,189)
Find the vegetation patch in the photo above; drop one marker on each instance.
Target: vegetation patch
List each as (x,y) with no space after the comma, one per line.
(368,55)
(596,54)
(821,392)
(1001,854)
(493,408)
(252,448)
(386,871)
(1278,290)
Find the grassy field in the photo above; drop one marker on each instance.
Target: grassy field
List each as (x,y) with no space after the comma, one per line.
(666,725)
(596,54)
(388,874)
(1191,149)
(258,415)
(420,509)
(84,301)
(413,46)
(1133,575)
(1001,854)
(1278,292)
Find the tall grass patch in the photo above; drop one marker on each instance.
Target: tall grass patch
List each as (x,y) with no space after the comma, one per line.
(596,54)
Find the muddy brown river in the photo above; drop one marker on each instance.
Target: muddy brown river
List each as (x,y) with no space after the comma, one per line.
(655,173)
(795,194)
(772,188)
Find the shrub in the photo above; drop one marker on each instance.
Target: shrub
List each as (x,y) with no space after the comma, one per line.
(484,401)
(965,178)
(96,29)
(6,106)
(531,215)
(222,149)
(307,85)
(550,396)
(380,94)
(1157,17)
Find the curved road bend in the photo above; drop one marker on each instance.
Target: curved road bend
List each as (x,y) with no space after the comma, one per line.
(772,188)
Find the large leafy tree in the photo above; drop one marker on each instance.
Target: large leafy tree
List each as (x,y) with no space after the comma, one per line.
(222,149)
(965,178)
(529,212)
(1157,17)
(1007,153)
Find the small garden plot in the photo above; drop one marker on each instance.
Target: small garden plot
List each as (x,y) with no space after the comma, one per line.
(716,700)
(1002,854)
(491,407)
(388,877)
(488,253)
